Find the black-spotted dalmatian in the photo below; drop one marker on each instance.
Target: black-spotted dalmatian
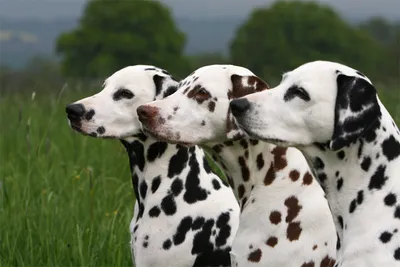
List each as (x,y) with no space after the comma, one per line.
(285,219)
(184,215)
(332,113)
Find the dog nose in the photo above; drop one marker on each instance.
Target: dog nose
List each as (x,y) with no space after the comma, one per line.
(146,112)
(239,106)
(76,111)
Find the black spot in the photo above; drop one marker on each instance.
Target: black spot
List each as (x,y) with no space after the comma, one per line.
(318,163)
(122,93)
(201,241)
(143,189)
(378,179)
(154,212)
(340,154)
(178,161)
(183,227)
(136,154)
(397,254)
(176,186)
(244,143)
(390,199)
(101,130)
(141,210)
(216,184)
(168,205)
(158,82)
(322,177)
(338,244)
(194,192)
(145,244)
(244,168)
(198,223)
(169,91)
(167,244)
(366,163)
(296,91)
(135,228)
(218,257)
(397,212)
(155,183)
(360,148)
(340,219)
(156,150)
(224,229)
(391,148)
(260,161)
(352,206)
(206,165)
(360,197)
(385,237)
(89,115)
(337,173)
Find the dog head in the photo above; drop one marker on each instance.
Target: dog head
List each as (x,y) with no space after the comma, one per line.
(318,102)
(111,113)
(198,112)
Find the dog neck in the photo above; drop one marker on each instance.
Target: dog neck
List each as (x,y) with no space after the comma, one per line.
(250,165)
(156,169)
(358,181)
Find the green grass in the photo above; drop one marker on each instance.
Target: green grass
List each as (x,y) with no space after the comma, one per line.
(65,199)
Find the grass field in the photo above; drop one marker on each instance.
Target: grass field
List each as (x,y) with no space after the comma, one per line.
(65,199)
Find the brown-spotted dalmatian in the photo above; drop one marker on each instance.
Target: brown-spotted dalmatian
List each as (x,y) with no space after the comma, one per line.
(285,220)
(184,214)
(332,113)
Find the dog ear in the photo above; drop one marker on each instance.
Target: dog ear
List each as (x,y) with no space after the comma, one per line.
(357,112)
(165,86)
(241,86)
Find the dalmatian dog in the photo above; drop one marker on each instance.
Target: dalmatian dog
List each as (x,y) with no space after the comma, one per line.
(185,215)
(285,219)
(332,113)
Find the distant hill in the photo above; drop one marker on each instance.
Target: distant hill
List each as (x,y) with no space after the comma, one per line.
(20,40)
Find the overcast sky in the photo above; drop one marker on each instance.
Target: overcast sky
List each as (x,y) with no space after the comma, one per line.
(357,9)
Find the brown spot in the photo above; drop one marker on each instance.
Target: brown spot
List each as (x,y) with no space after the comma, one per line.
(327,262)
(280,161)
(211,106)
(292,204)
(241,191)
(272,241)
(270,176)
(186,89)
(239,89)
(308,264)
(199,94)
(255,256)
(307,178)
(314,247)
(294,175)
(244,168)
(275,217)
(293,231)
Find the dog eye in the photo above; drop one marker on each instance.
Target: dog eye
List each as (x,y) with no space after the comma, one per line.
(123,93)
(296,91)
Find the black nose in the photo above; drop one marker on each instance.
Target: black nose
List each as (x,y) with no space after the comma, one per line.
(239,106)
(75,111)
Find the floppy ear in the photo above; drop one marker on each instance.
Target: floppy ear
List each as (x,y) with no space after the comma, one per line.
(357,112)
(241,86)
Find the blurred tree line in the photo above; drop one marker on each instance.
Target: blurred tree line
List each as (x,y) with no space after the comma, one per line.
(273,40)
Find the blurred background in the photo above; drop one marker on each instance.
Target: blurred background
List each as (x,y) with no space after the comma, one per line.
(66,199)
